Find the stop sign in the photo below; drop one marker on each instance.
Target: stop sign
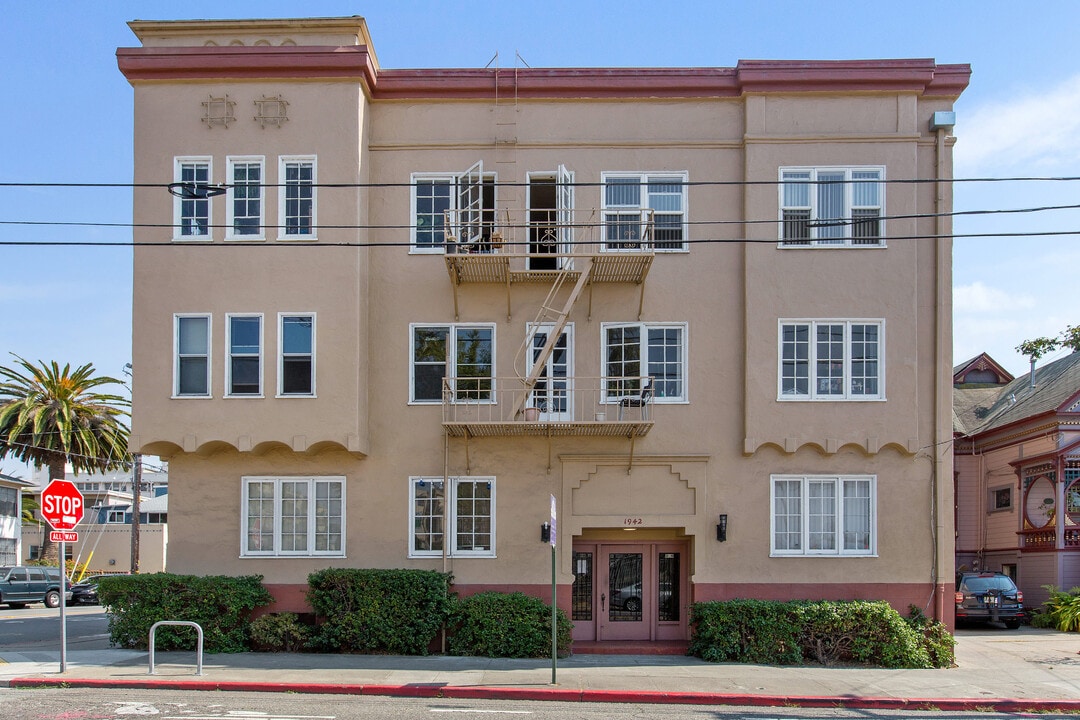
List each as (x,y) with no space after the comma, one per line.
(62,505)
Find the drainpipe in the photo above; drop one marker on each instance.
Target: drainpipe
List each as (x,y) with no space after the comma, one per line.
(940,124)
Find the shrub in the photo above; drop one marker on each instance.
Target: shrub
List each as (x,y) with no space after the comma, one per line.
(870,633)
(387,611)
(221,605)
(279,632)
(750,631)
(787,633)
(510,625)
(939,643)
(1061,611)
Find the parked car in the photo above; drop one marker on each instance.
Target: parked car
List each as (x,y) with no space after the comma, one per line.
(988,597)
(84,592)
(20,585)
(627,598)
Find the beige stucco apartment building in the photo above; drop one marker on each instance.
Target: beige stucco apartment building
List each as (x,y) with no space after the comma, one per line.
(698,316)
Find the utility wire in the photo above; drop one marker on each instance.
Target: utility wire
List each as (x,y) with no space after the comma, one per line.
(601,183)
(614,244)
(577,225)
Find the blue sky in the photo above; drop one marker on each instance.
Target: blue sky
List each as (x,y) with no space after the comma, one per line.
(68,118)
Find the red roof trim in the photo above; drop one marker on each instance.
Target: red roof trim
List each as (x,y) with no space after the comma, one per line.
(750,76)
(254,62)
(1045,457)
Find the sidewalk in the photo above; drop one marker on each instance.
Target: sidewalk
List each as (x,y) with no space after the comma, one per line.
(1000,670)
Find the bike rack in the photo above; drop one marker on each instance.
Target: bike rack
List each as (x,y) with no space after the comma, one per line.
(184,623)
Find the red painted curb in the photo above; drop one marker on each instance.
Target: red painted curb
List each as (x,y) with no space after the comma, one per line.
(439,690)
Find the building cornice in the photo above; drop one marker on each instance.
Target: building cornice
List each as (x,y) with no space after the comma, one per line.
(261,62)
(168,63)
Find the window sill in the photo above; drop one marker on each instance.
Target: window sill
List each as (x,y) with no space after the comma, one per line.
(298,238)
(302,396)
(191,397)
(803,398)
(783,246)
(193,238)
(245,238)
(244,396)
(413,250)
(825,555)
(282,556)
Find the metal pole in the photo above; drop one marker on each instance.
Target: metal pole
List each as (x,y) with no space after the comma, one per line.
(63,606)
(136,496)
(554,617)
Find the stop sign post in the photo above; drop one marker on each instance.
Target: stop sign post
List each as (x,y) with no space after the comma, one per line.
(62,505)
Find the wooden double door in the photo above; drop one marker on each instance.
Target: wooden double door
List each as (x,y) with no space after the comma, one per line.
(630,590)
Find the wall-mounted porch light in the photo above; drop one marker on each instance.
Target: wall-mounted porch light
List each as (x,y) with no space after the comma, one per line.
(721,529)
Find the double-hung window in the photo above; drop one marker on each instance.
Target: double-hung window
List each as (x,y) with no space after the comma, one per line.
(191,371)
(462,355)
(633,352)
(297,516)
(296,368)
(244,367)
(245,203)
(437,196)
(823,515)
(191,209)
(469,516)
(635,204)
(832,207)
(832,360)
(297,199)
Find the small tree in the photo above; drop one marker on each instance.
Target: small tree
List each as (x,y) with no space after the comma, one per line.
(1035,349)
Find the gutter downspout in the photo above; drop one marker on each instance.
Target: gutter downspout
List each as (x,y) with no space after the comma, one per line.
(940,124)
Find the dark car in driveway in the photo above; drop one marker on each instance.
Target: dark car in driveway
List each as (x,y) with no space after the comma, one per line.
(988,597)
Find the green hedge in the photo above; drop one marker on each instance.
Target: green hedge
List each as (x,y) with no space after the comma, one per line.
(378,611)
(511,625)
(221,605)
(827,632)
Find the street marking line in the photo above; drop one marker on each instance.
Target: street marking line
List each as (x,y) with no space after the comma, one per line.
(475,710)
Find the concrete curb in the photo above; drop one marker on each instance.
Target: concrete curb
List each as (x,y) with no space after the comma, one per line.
(439,690)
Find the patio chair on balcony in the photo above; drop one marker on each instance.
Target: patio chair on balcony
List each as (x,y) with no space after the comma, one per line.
(640,400)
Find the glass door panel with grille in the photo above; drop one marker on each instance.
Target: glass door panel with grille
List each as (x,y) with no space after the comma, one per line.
(553,392)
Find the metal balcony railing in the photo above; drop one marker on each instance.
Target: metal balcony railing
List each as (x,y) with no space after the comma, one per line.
(596,406)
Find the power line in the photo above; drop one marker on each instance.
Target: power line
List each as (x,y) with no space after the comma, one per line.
(576,225)
(600,183)
(612,243)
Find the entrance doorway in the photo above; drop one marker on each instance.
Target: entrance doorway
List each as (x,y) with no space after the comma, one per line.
(630,590)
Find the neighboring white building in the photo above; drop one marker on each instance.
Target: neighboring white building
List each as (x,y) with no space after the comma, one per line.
(10,512)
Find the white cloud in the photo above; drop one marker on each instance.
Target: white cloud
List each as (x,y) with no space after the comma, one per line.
(1040,129)
(980,298)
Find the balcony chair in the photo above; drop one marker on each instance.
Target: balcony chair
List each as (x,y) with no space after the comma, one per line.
(640,400)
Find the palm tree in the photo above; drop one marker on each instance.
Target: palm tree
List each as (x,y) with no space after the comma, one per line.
(51,416)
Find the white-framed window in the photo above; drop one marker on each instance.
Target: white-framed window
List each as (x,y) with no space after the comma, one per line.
(245,198)
(832,206)
(831,360)
(115,517)
(634,351)
(191,370)
(632,200)
(243,369)
(191,210)
(462,354)
(469,514)
(296,354)
(434,195)
(297,198)
(823,515)
(292,516)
